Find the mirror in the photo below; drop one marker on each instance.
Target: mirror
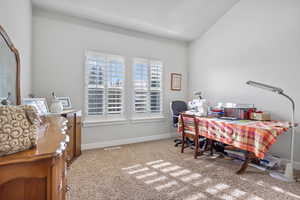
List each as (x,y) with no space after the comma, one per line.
(9,71)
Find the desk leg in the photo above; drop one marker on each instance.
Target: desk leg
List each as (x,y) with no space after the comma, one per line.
(212,147)
(183,143)
(206,145)
(196,141)
(249,157)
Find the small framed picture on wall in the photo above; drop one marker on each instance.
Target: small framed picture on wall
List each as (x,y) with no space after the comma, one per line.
(176,81)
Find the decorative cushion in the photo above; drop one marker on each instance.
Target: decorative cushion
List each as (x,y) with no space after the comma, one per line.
(18,128)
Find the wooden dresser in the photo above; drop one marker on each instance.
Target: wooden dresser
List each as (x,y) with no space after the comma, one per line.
(74,132)
(38,173)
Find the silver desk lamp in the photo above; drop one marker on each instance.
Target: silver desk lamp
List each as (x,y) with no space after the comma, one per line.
(289,170)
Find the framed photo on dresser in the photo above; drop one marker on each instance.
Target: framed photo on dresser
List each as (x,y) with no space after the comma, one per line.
(39,103)
(66,102)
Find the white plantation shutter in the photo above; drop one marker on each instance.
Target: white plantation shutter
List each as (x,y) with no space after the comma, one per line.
(147,81)
(155,87)
(95,87)
(104,84)
(141,84)
(115,85)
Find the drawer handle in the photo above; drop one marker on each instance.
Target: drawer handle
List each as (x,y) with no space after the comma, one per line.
(65,122)
(68,162)
(60,186)
(67,139)
(67,188)
(65,172)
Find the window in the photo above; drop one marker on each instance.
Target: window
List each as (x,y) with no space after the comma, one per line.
(104,85)
(147,83)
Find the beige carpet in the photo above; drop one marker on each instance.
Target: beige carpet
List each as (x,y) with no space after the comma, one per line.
(157,170)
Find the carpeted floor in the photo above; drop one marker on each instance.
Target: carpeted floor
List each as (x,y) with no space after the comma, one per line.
(157,170)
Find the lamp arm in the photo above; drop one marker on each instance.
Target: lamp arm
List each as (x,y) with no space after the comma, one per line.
(292,126)
(291,100)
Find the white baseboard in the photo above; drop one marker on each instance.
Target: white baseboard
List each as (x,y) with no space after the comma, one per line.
(111,143)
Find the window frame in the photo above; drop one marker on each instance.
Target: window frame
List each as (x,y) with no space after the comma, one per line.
(105,117)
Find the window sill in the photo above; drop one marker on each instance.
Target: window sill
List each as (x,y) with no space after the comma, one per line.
(148,119)
(110,122)
(92,123)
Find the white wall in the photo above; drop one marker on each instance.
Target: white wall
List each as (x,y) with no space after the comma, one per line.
(59,46)
(16,19)
(256,40)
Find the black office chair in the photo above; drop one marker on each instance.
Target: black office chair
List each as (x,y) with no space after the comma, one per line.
(176,108)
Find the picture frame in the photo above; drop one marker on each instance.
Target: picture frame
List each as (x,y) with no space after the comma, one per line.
(176,81)
(39,103)
(66,102)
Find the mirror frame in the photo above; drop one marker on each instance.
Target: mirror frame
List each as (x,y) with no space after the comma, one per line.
(17,57)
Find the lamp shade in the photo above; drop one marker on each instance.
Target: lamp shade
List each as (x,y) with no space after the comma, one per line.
(265,86)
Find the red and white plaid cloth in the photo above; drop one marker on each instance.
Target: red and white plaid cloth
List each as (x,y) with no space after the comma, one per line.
(252,136)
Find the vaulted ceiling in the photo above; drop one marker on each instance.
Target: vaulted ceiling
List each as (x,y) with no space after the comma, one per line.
(177,19)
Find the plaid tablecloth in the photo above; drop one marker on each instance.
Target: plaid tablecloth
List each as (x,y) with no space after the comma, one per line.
(252,136)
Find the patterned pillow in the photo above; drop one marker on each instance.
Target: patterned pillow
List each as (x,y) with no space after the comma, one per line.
(18,128)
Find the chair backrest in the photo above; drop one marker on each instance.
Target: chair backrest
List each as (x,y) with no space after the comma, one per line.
(189,124)
(176,108)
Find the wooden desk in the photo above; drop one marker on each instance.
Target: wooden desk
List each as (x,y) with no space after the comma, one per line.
(255,137)
(38,173)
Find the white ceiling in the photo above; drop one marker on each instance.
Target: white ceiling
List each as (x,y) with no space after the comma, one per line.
(177,19)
